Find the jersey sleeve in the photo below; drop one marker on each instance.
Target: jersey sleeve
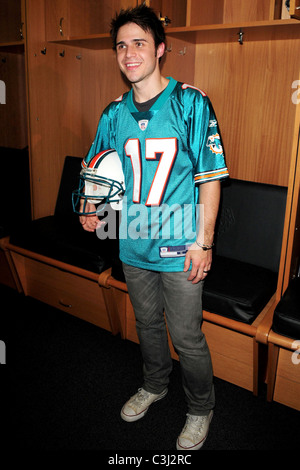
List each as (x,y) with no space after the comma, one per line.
(206,144)
(102,139)
(105,138)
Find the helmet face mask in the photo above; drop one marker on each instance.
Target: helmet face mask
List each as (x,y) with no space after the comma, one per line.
(101,182)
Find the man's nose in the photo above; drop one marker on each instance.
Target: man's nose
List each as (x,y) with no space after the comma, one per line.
(130,51)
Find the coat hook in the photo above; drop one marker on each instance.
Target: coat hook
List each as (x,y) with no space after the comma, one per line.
(43,51)
(165,20)
(169,49)
(60,27)
(78,56)
(182,51)
(21,31)
(62,54)
(241,37)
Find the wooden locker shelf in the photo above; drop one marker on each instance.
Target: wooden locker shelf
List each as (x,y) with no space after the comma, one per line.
(195,34)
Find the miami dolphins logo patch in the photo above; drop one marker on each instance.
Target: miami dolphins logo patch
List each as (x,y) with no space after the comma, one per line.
(214,144)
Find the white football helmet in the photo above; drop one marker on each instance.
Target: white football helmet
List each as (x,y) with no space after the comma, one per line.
(101,182)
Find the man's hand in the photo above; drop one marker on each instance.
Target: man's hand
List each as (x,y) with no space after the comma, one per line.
(201,263)
(89,222)
(209,197)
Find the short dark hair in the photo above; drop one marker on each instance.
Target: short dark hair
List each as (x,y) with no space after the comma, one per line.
(144,17)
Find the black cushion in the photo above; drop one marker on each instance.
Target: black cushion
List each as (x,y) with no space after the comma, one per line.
(250,223)
(286,320)
(61,236)
(65,240)
(237,290)
(69,181)
(16,188)
(247,253)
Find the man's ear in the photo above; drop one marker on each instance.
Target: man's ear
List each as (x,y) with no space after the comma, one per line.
(160,50)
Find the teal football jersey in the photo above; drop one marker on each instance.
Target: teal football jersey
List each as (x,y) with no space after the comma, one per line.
(166,153)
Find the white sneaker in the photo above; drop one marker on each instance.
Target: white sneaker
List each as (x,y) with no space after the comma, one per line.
(137,406)
(194,432)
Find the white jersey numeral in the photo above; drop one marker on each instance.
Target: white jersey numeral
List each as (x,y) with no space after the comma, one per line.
(132,149)
(162,150)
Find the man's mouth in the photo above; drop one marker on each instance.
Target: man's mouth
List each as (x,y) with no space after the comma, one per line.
(132,65)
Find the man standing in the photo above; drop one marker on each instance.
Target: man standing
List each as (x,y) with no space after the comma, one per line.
(166,136)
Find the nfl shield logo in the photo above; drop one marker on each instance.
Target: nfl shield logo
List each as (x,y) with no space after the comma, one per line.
(143,124)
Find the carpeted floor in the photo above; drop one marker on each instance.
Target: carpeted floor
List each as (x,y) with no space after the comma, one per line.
(69,379)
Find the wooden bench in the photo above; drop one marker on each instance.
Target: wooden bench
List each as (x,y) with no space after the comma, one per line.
(283,378)
(54,260)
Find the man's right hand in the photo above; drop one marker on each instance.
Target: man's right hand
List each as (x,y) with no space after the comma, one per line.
(89,222)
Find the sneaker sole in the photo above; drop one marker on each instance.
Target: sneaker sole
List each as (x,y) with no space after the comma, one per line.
(200,444)
(132,418)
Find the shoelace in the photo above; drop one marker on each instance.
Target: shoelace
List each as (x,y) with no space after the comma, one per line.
(193,426)
(141,396)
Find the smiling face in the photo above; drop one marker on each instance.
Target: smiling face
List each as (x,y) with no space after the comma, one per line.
(137,56)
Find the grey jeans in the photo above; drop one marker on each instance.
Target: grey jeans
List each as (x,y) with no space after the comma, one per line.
(153,293)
